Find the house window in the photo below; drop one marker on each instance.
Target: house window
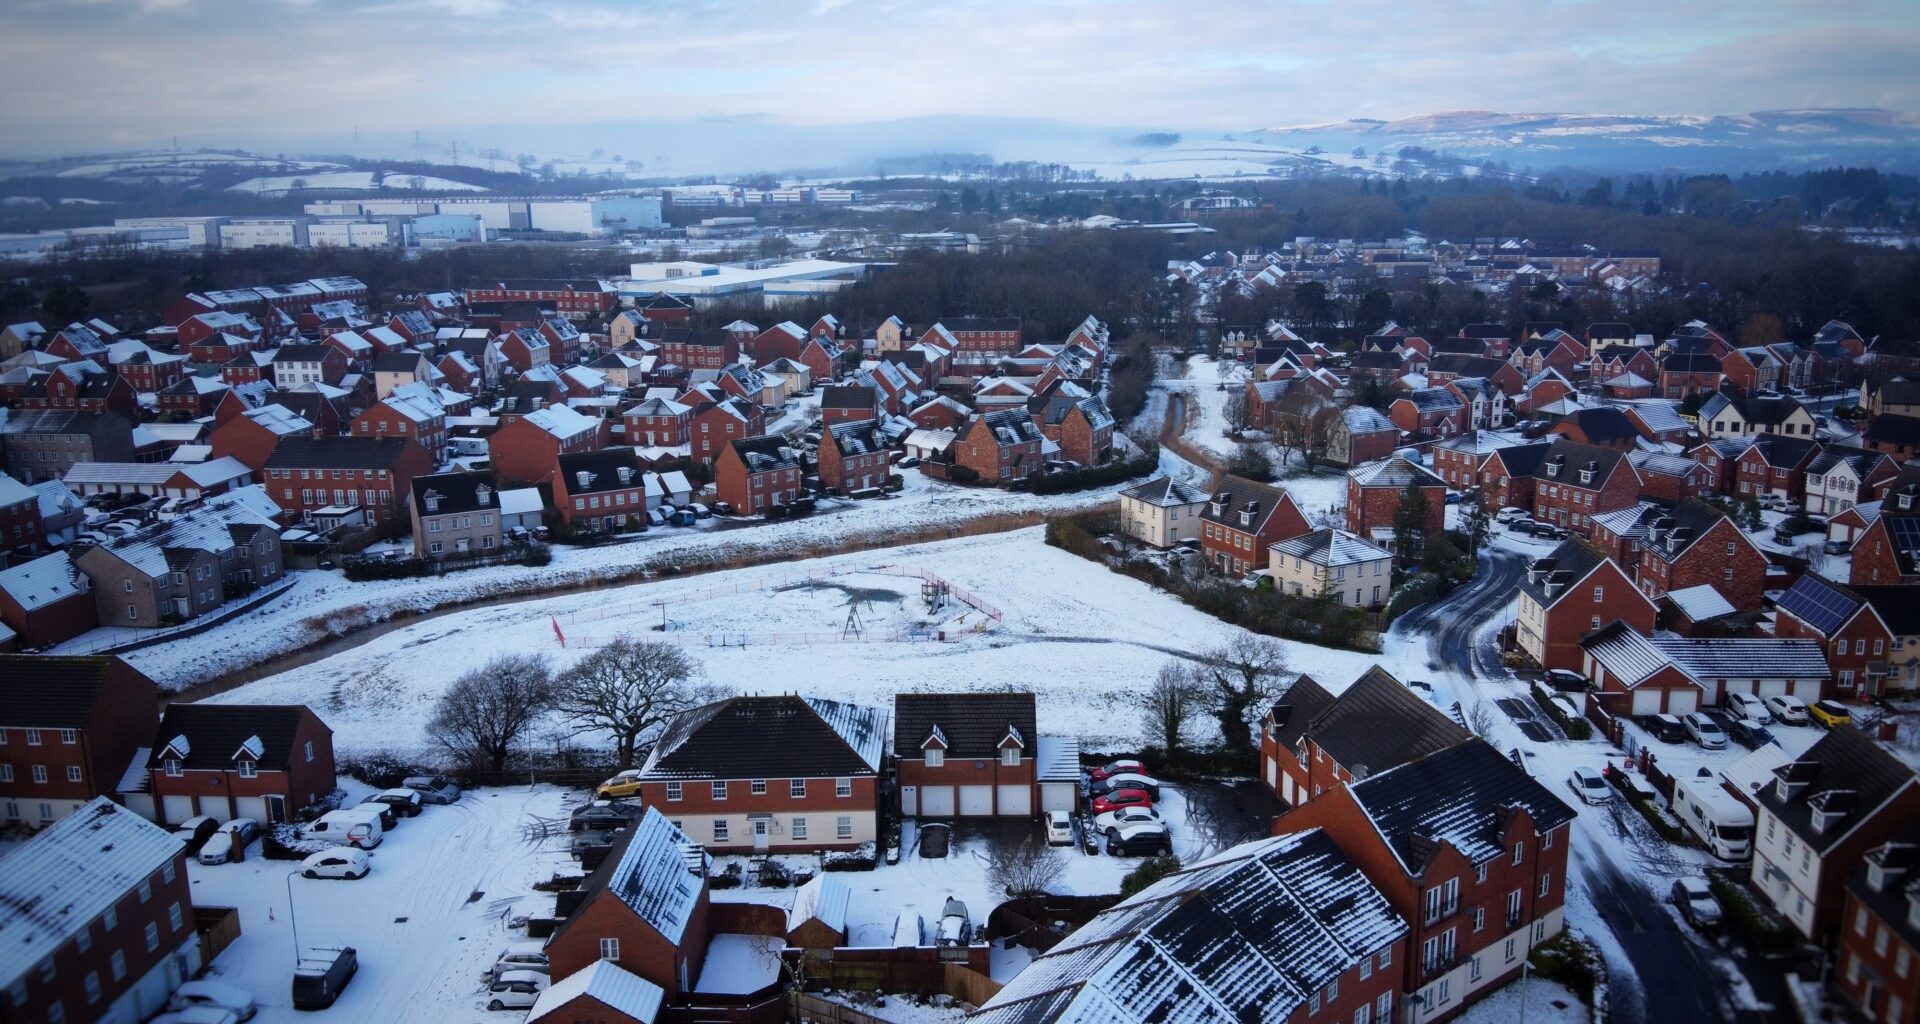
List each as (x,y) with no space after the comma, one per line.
(33,737)
(720,830)
(843,788)
(39,773)
(1519,851)
(1546,883)
(1386,958)
(309,751)
(1383,1006)
(936,758)
(73,773)
(153,936)
(73,736)
(246,769)
(1599,594)
(720,790)
(609,949)
(843,827)
(166,873)
(757,787)
(1010,757)
(108,922)
(171,766)
(92,984)
(1480,873)
(799,829)
(1479,918)
(145,890)
(6,774)
(797,788)
(119,964)
(673,791)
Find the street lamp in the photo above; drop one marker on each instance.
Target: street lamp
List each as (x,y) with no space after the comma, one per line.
(293,924)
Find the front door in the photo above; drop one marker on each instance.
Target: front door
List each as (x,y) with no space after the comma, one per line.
(760,839)
(276,809)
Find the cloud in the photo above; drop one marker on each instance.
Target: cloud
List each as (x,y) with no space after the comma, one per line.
(236,70)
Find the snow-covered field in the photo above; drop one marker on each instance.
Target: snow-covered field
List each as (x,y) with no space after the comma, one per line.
(1084,639)
(426,923)
(363,181)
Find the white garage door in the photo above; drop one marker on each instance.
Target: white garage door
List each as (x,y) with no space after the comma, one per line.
(214,807)
(976,801)
(1772,687)
(177,808)
(1807,689)
(1683,702)
(936,801)
(1016,801)
(254,807)
(1646,702)
(910,800)
(1058,796)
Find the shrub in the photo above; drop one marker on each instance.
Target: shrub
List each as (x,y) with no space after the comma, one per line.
(1568,961)
(1418,590)
(1575,727)
(537,555)
(381,769)
(1150,871)
(559,883)
(862,858)
(1094,476)
(723,881)
(774,875)
(1767,932)
(962,475)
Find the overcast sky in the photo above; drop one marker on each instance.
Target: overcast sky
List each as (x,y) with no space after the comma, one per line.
(90,75)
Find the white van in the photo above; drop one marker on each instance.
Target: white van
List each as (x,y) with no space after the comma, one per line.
(1721,821)
(352,826)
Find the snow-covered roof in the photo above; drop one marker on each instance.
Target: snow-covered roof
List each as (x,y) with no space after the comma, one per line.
(1331,547)
(1755,771)
(561,421)
(1057,759)
(42,581)
(1164,492)
(1701,603)
(653,879)
(521,501)
(59,881)
(823,899)
(607,983)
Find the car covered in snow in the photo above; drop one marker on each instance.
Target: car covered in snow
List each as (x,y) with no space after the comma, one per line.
(1747,705)
(525,955)
(433,789)
(1125,764)
(217,994)
(1787,710)
(1125,780)
(1696,901)
(1705,731)
(622,785)
(344,862)
(232,838)
(405,803)
(1589,785)
(1059,828)
(320,975)
(1139,840)
(1111,820)
(1121,798)
(195,831)
(1510,515)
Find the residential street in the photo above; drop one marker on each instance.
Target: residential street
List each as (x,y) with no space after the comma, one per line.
(1673,975)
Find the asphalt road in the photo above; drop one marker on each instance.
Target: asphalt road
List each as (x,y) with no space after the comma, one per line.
(1674,979)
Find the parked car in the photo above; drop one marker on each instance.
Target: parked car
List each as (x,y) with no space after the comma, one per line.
(589,838)
(1565,680)
(1665,728)
(388,816)
(1059,829)
(1135,815)
(350,826)
(602,814)
(1120,798)
(1589,786)
(1705,731)
(1126,780)
(1749,706)
(1140,840)
(344,862)
(621,786)
(1837,547)
(1749,733)
(1421,687)
(217,994)
(656,517)
(1549,530)
(1696,901)
(525,955)
(1510,515)
(197,1015)
(722,508)
(433,789)
(515,990)
(1787,710)
(234,836)
(1830,713)
(1125,764)
(320,975)
(195,832)
(404,802)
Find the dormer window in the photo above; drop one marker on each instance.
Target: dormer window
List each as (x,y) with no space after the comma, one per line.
(245,768)
(936,757)
(171,766)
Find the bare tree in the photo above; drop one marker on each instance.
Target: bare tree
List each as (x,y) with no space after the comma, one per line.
(1023,869)
(1481,718)
(1240,678)
(483,714)
(1169,704)
(628,688)
(1234,411)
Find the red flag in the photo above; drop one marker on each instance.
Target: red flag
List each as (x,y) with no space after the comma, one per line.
(556,632)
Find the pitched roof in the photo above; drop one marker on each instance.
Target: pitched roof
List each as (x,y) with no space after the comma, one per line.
(972,725)
(1460,795)
(454,493)
(1395,472)
(1821,603)
(1561,570)
(1296,709)
(214,733)
(648,869)
(1570,458)
(1896,606)
(770,737)
(1844,773)
(822,899)
(338,452)
(1378,724)
(1166,492)
(1331,547)
(766,453)
(53,691)
(1248,935)
(1602,424)
(607,983)
(76,869)
(39,582)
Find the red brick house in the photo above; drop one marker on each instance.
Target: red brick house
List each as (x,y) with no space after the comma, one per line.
(1360,434)
(601,491)
(1470,850)
(1683,374)
(666,309)
(1604,427)
(375,473)
(1888,552)
(848,403)
(1242,520)
(657,422)
(759,774)
(45,601)
(966,755)
(526,348)
(783,340)
(600,992)
(20,527)
(1575,482)
(526,450)
(1080,425)
(217,337)
(1311,741)
(1858,641)
(715,425)
(574,299)
(252,435)
(72,726)
(853,457)
(261,761)
(107,933)
(644,909)
(1506,477)
(1880,933)
(699,348)
(754,474)
(1670,478)
(1696,544)
(1570,593)
(146,370)
(412,411)
(1777,465)
(1374,492)
(1895,435)
(1430,413)
(1000,447)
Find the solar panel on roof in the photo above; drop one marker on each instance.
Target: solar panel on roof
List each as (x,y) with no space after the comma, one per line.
(1817,605)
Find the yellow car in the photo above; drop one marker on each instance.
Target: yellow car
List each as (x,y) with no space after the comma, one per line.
(1830,713)
(623,785)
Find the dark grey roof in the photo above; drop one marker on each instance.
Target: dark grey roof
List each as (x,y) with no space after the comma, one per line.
(397,362)
(1684,524)
(1779,450)
(971,724)
(1844,772)
(1569,459)
(1896,606)
(1462,795)
(1237,495)
(1602,424)
(1566,566)
(973,324)
(215,732)
(765,453)
(1898,890)
(455,493)
(1894,429)
(848,396)
(1378,724)
(338,452)
(771,738)
(52,692)
(1296,709)
(302,353)
(603,471)
(1523,459)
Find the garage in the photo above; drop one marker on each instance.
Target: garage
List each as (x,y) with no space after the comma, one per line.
(176,809)
(1806,689)
(254,807)
(1646,702)
(936,801)
(1016,801)
(215,807)
(1683,702)
(976,801)
(1772,688)
(1059,796)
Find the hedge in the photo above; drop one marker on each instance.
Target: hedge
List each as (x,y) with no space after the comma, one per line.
(1574,726)
(1664,823)
(1568,961)
(1768,934)
(1093,476)
(1150,871)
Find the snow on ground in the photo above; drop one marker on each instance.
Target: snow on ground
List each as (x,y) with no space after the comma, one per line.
(1207,384)
(364,181)
(426,923)
(322,604)
(1534,1000)
(1085,639)
(898,1010)
(739,964)
(1009,961)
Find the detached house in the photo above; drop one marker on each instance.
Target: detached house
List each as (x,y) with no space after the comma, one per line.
(1243,520)
(1859,642)
(1000,447)
(1818,819)
(455,514)
(754,474)
(527,449)
(968,755)
(261,761)
(1575,482)
(1843,476)
(1161,512)
(853,457)
(1724,416)
(1329,562)
(1311,742)
(1570,593)
(1470,850)
(759,774)
(601,492)
(1374,492)
(1695,544)
(717,424)
(644,911)
(657,422)
(1079,424)
(72,727)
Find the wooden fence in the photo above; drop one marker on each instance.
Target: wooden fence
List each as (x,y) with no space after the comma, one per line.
(218,927)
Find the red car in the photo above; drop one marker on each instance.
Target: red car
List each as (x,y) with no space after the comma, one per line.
(1117,768)
(1121,798)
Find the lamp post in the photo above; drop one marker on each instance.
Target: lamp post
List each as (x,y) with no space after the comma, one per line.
(293,923)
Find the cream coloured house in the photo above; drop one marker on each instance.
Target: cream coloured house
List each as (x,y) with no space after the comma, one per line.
(1327,561)
(1161,512)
